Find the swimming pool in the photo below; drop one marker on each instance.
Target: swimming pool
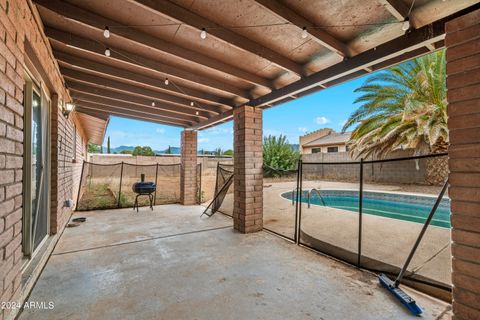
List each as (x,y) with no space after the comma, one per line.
(405,207)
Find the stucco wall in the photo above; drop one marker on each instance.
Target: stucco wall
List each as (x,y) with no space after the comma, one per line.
(324,149)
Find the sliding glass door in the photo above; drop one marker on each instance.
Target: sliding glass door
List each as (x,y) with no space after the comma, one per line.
(36,177)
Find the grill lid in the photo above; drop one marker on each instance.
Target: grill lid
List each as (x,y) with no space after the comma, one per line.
(144,187)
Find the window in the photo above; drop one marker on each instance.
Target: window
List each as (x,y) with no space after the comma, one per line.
(332,149)
(316,150)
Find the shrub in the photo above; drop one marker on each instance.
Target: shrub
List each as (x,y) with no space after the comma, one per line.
(279,157)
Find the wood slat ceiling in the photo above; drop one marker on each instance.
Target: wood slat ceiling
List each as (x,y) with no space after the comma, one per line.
(253,54)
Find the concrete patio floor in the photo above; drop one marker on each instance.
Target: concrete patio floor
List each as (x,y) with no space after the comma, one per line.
(386,242)
(172,264)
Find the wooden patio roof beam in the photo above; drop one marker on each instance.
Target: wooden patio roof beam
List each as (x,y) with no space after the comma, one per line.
(389,50)
(384,55)
(99,114)
(181,15)
(91,20)
(110,71)
(319,35)
(227,115)
(101,117)
(134,100)
(128,106)
(93,47)
(112,110)
(399,10)
(76,75)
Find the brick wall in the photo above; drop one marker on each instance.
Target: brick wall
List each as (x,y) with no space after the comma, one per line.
(463,83)
(67,160)
(248,169)
(21,31)
(188,181)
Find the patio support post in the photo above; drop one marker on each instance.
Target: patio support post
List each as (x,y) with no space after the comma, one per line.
(248,169)
(188,175)
(463,94)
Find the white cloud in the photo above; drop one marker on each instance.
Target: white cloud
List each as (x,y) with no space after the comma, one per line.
(160,130)
(303,129)
(322,120)
(203,140)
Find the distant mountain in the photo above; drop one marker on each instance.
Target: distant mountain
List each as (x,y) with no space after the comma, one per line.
(119,149)
(173,150)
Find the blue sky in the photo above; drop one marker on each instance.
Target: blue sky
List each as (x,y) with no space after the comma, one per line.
(327,108)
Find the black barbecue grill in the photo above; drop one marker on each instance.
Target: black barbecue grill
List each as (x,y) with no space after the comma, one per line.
(144,188)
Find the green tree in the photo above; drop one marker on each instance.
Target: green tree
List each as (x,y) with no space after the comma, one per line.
(228,152)
(108,145)
(126,152)
(143,151)
(169,150)
(218,152)
(278,156)
(147,151)
(93,148)
(404,107)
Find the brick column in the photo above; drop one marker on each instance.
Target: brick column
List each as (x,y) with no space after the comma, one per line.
(248,172)
(463,83)
(188,175)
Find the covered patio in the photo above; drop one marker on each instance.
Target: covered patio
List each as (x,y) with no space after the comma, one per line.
(171,264)
(193,65)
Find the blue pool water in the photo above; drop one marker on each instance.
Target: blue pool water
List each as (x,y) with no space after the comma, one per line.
(396,206)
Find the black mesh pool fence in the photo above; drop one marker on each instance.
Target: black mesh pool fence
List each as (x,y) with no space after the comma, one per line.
(223,189)
(108,186)
(369,214)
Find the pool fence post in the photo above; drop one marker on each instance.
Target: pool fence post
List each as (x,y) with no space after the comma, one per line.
(120,187)
(199,189)
(156,184)
(420,236)
(360,209)
(295,201)
(299,202)
(80,185)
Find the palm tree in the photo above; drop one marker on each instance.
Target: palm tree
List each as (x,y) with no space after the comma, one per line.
(404,107)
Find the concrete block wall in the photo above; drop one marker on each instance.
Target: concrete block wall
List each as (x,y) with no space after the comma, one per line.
(463,84)
(407,171)
(248,169)
(208,162)
(188,175)
(21,33)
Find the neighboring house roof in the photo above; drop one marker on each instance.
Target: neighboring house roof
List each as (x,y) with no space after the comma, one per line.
(332,138)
